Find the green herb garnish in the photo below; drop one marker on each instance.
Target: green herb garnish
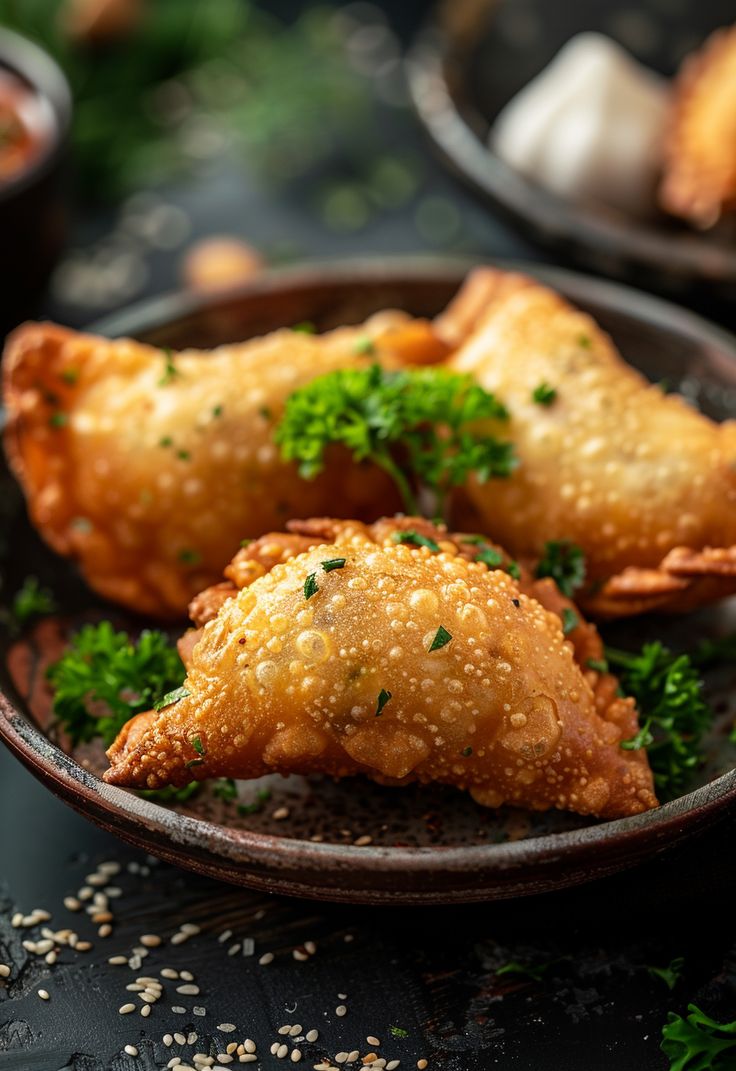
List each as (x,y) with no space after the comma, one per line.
(262,796)
(187,556)
(417,539)
(544,394)
(383,698)
(197,744)
(59,419)
(31,600)
(466,752)
(70,376)
(334,563)
(585,341)
(534,971)
(668,692)
(565,563)
(513,570)
(598,664)
(105,677)
(305,328)
(166,441)
(427,428)
(311,587)
(218,411)
(175,696)
(442,637)
(570,621)
(170,369)
(670,975)
(490,557)
(398,1032)
(183,455)
(225,789)
(698,1043)
(364,345)
(193,762)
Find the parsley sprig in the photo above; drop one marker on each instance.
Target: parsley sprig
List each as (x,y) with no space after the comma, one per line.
(696,1042)
(105,678)
(668,692)
(564,561)
(428,428)
(31,600)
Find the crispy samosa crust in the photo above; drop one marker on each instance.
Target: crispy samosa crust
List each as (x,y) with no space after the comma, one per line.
(641,481)
(396,661)
(699,182)
(148,467)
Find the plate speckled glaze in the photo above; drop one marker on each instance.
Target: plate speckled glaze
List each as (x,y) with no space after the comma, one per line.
(416,845)
(473,56)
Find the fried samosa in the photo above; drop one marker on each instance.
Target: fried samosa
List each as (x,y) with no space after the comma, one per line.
(642,482)
(699,181)
(147,467)
(342,649)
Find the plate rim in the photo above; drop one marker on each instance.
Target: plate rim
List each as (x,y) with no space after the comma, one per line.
(668,823)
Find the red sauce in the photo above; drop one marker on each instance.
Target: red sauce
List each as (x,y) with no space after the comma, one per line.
(26,125)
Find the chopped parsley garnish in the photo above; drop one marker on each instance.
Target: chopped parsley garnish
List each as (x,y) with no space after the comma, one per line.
(698,1043)
(170,369)
(305,328)
(570,621)
(265,412)
(59,419)
(670,974)
(166,441)
(427,428)
(105,677)
(513,570)
(225,789)
(668,693)
(585,341)
(193,762)
(245,542)
(417,539)
(30,601)
(70,376)
(383,698)
(334,563)
(197,744)
(598,664)
(490,557)
(187,556)
(218,410)
(169,794)
(183,455)
(364,345)
(311,587)
(172,697)
(398,1032)
(441,639)
(529,970)
(544,394)
(565,563)
(466,752)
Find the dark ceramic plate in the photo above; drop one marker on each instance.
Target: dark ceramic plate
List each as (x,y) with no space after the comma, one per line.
(475,55)
(426,845)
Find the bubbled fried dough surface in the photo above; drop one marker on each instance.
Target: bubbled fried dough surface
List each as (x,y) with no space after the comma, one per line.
(149,478)
(612,464)
(282,683)
(699,182)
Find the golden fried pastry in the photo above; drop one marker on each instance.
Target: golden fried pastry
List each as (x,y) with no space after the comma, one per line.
(148,467)
(699,182)
(343,649)
(642,482)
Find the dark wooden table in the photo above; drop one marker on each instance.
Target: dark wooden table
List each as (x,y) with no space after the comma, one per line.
(587,999)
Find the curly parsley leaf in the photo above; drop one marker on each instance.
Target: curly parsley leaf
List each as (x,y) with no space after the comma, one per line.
(31,600)
(427,428)
(668,692)
(670,974)
(105,677)
(565,563)
(698,1043)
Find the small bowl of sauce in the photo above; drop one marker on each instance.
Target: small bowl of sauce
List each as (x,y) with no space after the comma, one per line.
(35,113)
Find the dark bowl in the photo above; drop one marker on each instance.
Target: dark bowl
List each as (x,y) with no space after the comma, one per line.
(472,57)
(32,204)
(427,845)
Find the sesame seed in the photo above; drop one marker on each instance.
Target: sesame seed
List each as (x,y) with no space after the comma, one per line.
(227,1028)
(190,929)
(421,1064)
(300,956)
(102,916)
(282,1051)
(188,990)
(169,972)
(284,1029)
(71,903)
(361,842)
(312,1035)
(249,946)
(40,915)
(341,1010)
(341,1057)
(81,946)
(180,1039)
(178,1010)
(353,1056)
(43,994)
(249,1045)
(348,938)
(280,813)
(179,938)
(135,987)
(266,958)
(131,1050)
(117,961)
(150,998)
(372,1041)
(225,936)
(168,1039)
(274,1048)
(234,949)
(192,1037)
(4,970)
(174,1061)
(186,976)
(392,1065)
(296,1029)
(105,930)
(232,1047)
(146,1010)
(370,1058)
(224,1058)
(126,1009)
(198,1011)
(310,947)
(296,1056)
(247,1058)
(150,940)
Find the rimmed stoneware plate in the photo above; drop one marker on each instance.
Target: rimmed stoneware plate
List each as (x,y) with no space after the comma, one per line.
(415,845)
(473,56)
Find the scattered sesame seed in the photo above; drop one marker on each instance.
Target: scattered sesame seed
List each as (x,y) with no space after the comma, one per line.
(234,949)
(188,990)
(169,972)
(126,1009)
(284,1029)
(372,1041)
(224,1058)
(249,946)
(43,994)
(341,1010)
(117,961)
(296,1056)
(150,998)
(280,813)
(190,929)
(178,1010)
(232,1047)
(150,940)
(104,931)
(168,1039)
(348,938)
(146,1010)
(299,955)
(341,1057)
(312,1035)
(361,842)
(295,1030)
(266,958)
(421,1064)
(392,1065)
(225,936)
(4,970)
(179,938)
(180,1039)
(71,903)
(186,976)
(227,1028)
(102,916)
(274,1048)
(282,1051)
(174,1061)
(82,946)
(247,1058)
(353,1056)
(198,1011)
(131,1050)
(192,1037)
(249,1045)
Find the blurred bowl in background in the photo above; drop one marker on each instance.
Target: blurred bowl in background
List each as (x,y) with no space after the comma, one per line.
(35,114)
